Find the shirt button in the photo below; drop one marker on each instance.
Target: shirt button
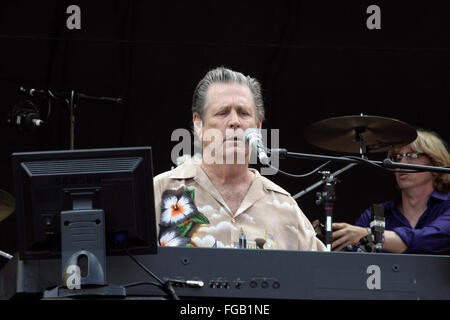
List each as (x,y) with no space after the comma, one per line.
(233,220)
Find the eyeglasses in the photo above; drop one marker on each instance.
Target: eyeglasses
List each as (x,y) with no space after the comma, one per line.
(409,156)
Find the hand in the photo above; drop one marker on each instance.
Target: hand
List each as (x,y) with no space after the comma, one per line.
(346,235)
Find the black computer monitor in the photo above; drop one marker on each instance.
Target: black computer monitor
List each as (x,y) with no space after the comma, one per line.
(84,194)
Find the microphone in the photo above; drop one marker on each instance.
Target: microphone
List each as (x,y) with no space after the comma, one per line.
(34,92)
(252,137)
(377,225)
(25,116)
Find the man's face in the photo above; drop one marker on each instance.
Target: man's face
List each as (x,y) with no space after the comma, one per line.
(229,111)
(410,180)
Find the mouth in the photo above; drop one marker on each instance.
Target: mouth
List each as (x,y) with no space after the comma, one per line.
(234,139)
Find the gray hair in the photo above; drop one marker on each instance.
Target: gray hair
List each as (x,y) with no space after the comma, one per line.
(224,75)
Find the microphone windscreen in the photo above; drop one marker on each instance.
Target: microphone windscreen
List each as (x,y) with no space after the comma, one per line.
(251,134)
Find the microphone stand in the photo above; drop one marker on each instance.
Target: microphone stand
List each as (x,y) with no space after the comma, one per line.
(386,163)
(71,99)
(72,107)
(328,196)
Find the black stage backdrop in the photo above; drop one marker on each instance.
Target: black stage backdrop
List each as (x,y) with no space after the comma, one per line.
(315,59)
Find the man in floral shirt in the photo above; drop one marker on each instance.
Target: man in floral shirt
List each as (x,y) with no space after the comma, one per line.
(219,201)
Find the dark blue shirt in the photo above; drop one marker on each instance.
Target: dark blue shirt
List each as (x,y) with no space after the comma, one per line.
(431,235)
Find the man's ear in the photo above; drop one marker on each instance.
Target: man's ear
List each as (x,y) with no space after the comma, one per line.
(259,126)
(198,125)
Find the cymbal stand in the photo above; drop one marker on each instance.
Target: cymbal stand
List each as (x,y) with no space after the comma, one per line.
(359,137)
(5,255)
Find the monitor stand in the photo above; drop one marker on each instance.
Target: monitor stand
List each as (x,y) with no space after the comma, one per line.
(83,253)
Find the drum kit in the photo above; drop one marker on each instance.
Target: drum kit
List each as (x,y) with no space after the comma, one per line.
(361,134)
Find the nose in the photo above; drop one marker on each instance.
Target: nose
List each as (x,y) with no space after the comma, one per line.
(234,120)
(403,159)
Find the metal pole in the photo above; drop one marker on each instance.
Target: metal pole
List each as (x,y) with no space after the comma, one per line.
(72,120)
(319,183)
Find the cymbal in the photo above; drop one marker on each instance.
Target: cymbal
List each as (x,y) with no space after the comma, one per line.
(7,204)
(342,134)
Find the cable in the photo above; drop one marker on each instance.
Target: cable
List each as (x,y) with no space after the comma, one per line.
(52,96)
(359,160)
(300,175)
(166,286)
(141,283)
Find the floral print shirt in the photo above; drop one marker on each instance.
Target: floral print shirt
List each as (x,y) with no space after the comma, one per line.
(191,212)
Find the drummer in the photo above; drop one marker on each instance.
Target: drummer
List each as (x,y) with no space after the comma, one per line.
(418,220)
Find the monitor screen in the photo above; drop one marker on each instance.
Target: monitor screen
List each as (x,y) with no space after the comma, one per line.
(117,181)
